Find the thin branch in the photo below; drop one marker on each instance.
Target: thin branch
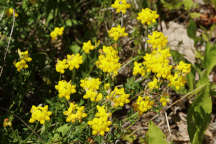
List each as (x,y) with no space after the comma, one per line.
(6,51)
(167,121)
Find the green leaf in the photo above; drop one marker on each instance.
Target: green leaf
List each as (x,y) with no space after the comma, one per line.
(195,15)
(64,129)
(199,114)
(189,4)
(75,48)
(69,22)
(155,135)
(191,29)
(210,58)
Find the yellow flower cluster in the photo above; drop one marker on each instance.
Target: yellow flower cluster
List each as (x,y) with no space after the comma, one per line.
(164,100)
(24,58)
(40,114)
(9,12)
(72,61)
(178,79)
(65,89)
(157,40)
(153,84)
(120,6)
(138,69)
(74,113)
(118,97)
(58,31)
(117,32)
(91,85)
(87,47)
(158,62)
(108,61)
(61,65)
(147,16)
(100,124)
(143,104)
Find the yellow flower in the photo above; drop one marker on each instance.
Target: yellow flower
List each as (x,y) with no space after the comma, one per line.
(61,66)
(87,46)
(58,31)
(117,32)
(157,40)
(40,114)
(164,100)
(143,104)
(153,84)
(100,124)
(138,69)
(118,97)
(158,62)
(74,113)
(108,61)
(24,55)
(120,6)
(147,16)
(177,80)
(74,61)
(21,65)
(183,67)
(9,12)
(65,89)
(91,85)
(107,86)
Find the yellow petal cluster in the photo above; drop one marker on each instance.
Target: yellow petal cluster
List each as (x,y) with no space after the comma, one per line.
(147,16)
(143,104)
(61,65)
(164,100)
(108,61)
(24,58)
(118,97)
(75,113)
(58,31)
(153,84)
(65,89)
(117,32)
(74,61)
(91,85)
(120,6)
(100,124)
(40,114)
(178,79)
(158,62)
(138,69)
(87,47)
(157,40)
(9,12)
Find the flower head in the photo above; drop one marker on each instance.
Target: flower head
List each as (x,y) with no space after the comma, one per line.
(74,61)
(61,66)
(65,89)
(58,31)
(9,12)
(120,6)
(100,124)
(117,32)
(87,47)
(147,16)
(157,40)
(143,104)
(118,97)
(108,61)
(40,114)
(74,113)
